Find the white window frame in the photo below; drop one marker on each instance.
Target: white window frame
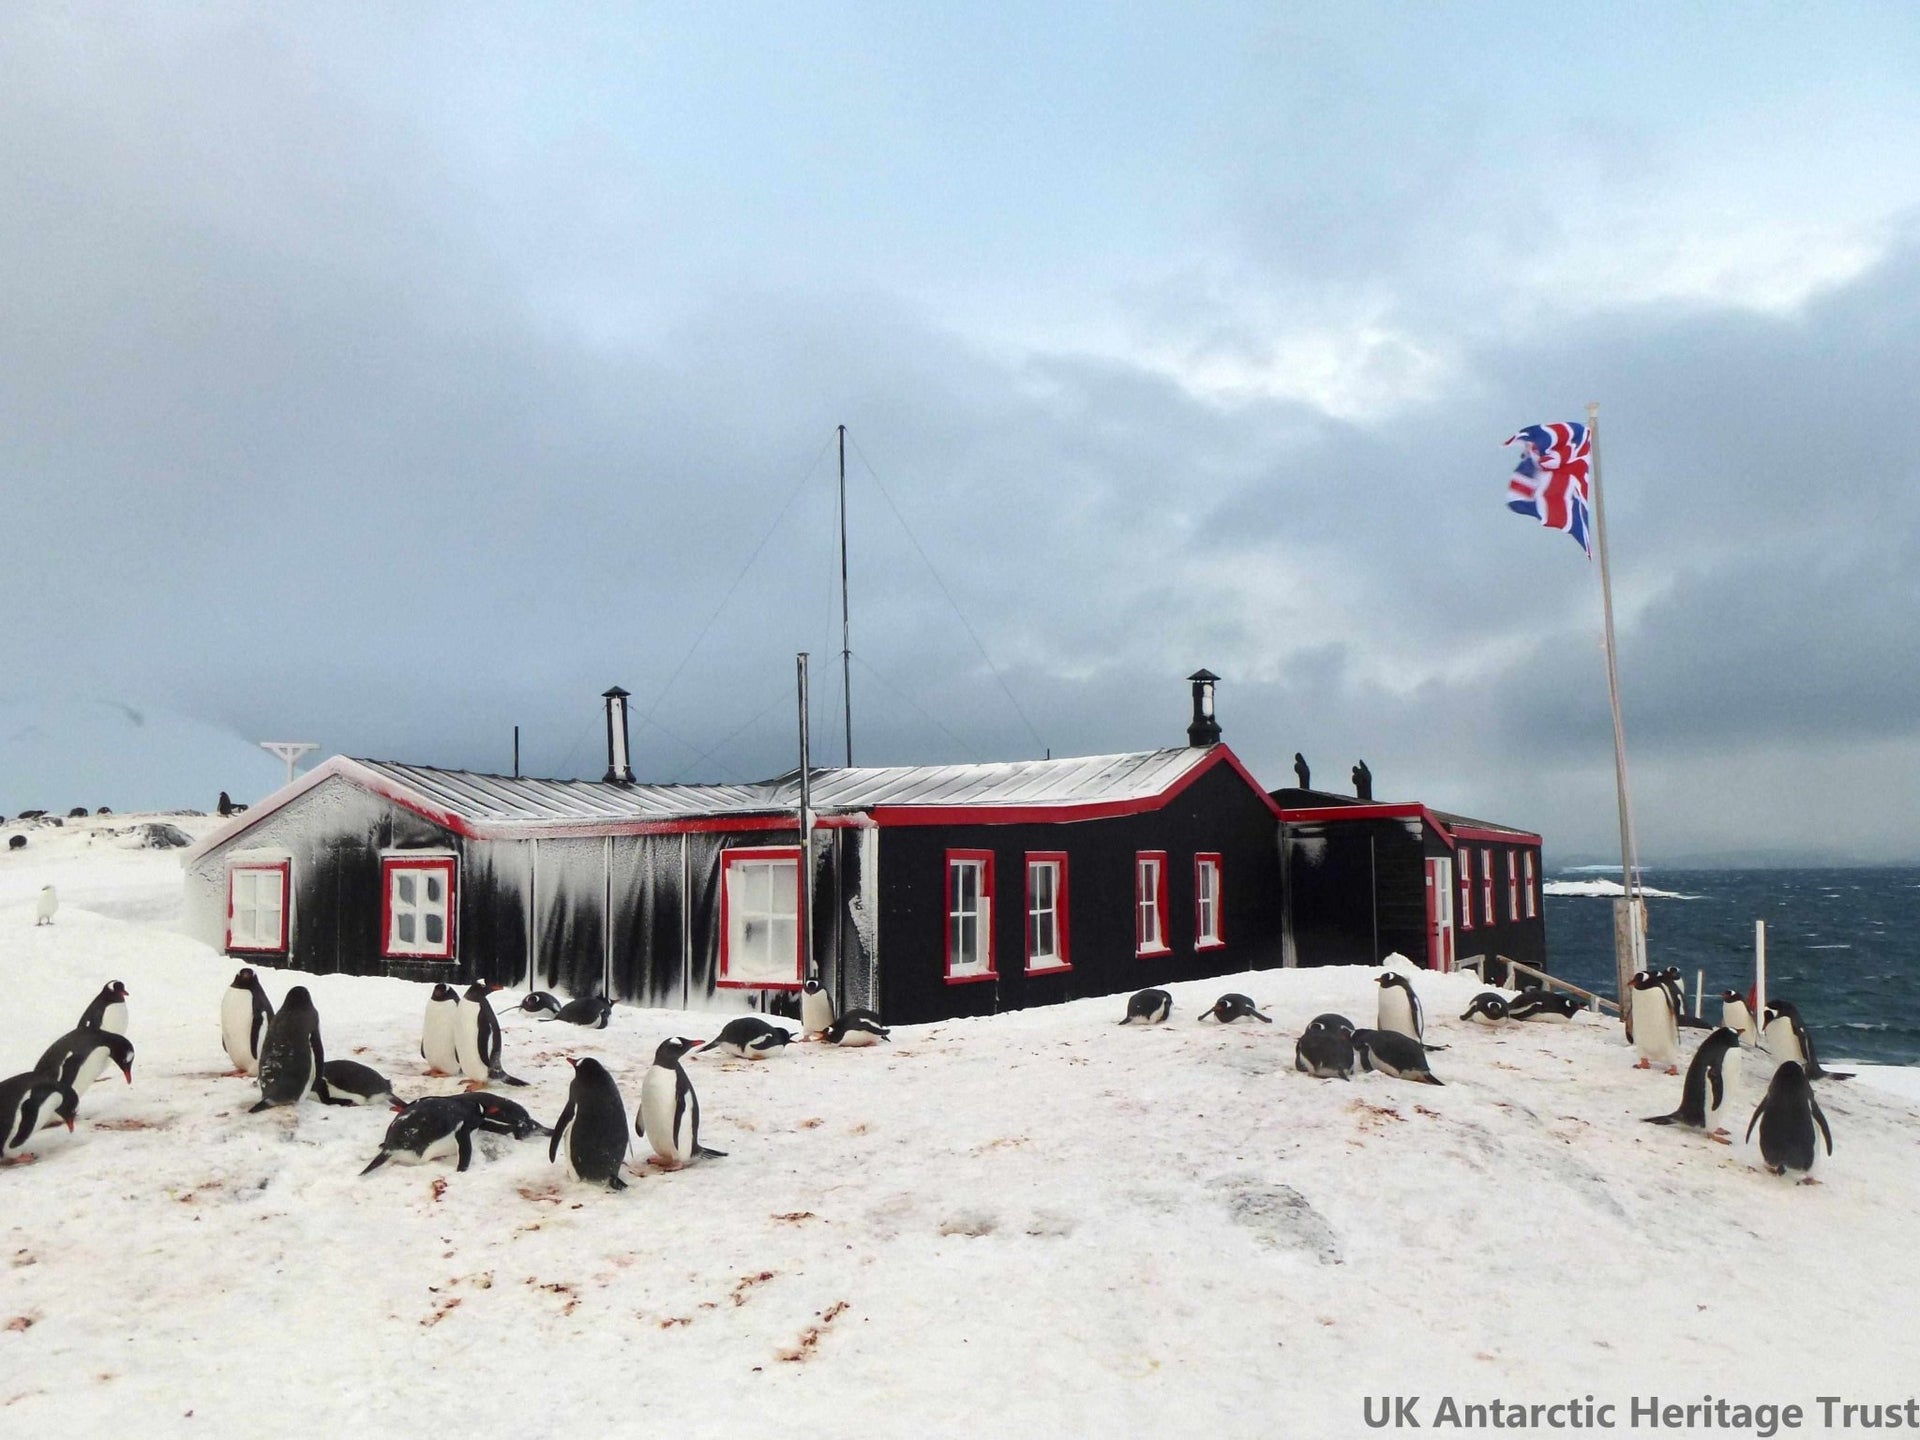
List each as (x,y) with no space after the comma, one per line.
(969,909)
(760,887)
(1208,934)
(1465,917)
(1486,884)
(1150,903)
(1531,888)
(396,906)
(245,932)
(1054,864)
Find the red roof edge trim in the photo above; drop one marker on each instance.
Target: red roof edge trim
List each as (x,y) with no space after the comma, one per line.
(1413,812)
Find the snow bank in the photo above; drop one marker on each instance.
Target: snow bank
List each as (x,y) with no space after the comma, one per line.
(1607,889)
(1042,1223)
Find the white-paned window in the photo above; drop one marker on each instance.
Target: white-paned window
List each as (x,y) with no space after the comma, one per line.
(760,895)
(1466,888)
(1530,884)
(1206,901)
(969,915)
(419,907)
(1486,885)
(1047,912)
(1150,902)
(257,907)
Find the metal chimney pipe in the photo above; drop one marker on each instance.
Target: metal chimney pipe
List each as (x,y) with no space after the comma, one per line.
(619,772)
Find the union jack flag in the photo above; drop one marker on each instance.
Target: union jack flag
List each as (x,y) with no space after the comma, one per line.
(1553,481)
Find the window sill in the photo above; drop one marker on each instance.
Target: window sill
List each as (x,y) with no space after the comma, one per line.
(1209,944)
(412,957)
(972,978)
(1156,950)
(724,983)
(1050,967)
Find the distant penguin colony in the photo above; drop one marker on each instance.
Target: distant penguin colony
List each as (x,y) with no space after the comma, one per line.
(1229,1008)
(1787,1117)
(245,1013)
(669,1115)
(1149,1007)
(592,1129)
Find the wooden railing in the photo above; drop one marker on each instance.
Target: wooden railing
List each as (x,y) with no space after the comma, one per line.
(1477,964)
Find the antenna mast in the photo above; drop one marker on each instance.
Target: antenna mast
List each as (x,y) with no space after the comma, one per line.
(846,671)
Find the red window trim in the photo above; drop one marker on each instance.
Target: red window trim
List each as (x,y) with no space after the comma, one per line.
(1064,963)
(1464,920)
(984,858)
(1219,938)
(448,865)
(1165,947)
(1486,885)
(1532,889)
(1513,884)
(760,852)
(285,867)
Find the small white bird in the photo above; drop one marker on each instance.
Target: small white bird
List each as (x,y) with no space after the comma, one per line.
(48,903)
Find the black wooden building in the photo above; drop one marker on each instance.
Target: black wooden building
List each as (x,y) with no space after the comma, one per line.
(933,891)
(1364,879)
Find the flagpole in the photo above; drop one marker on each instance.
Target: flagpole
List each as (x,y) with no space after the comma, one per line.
(1636,955)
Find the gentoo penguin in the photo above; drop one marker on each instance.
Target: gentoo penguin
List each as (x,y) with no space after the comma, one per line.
(750,1037)
(476,1037)
(669,1115)
(425,1131)
(1786,1038)
(1229,1008)
(436,1032)
(77,1058)
(351,1083)
(1656,1028)
(499,1114)
(1544,1005)
(539,1001)
(1488,1008)
(292,1060)
(1786,1118)
(108,1010)
(1325,1051)
(245,1013)
(816,1008)
(1737,1016)
(1149,1007)
(1400,1007)
(1395,1054)
(44,907)
(857,1028)
(1707,1093)
(592,1129)
(27,1103)
(590,1012)
(1331,1021)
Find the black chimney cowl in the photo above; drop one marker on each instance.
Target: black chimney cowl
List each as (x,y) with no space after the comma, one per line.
(1205,729)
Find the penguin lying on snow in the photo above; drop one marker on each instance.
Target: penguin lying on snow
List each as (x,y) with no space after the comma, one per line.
(1707,1093)
(1325,1051)
(1392,1053)
(77,1058)
(816,1008)
(293,1061)
(857,1027)
(539,1001)
(436,1032)
(1487,1008)
(351,1083)
(1786,1118)
(28,1103)
(590,1012)
(669,1115)
(750,1037)
(476,1037)
(245,1013)
(592,1129)
(499,1114)
(1400,1007)
(1786,1038)
(108,1010)
(1537,1004)
(1149,1007)
(1229,1008)
(426,1131)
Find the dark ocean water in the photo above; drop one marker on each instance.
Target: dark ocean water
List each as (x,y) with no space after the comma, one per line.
(1843,945)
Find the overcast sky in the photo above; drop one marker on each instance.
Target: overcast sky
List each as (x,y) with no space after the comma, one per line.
(387,376)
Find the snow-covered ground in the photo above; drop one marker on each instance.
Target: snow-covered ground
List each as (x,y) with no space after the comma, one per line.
(1038,1224)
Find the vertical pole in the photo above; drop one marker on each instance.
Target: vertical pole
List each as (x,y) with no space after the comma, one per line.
(516,752)
(1699,991)
(1634,957)
(1759,979)
(606,954)
(846,652)
(805,911)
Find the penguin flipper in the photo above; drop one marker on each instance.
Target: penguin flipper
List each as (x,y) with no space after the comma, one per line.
(1674,1119)
(1758,1111)
(256,1109)
(375,1163)
(1429,1079)
(1264,1019)
(559,1129)
(1820,1118)
(505,1078)
(614,1182)
(701,1152)
(464,1139)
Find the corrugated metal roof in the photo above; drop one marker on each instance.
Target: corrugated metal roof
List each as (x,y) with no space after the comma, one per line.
(1079,780)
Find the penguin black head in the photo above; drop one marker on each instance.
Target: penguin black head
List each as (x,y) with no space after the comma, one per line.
(1729,995)
(298,998)
(588,1070)
(1644,980)
(445,992)
(246,979)
(671,1050)
(69,1105)
(813,985)
(116,991)
(1390,977)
